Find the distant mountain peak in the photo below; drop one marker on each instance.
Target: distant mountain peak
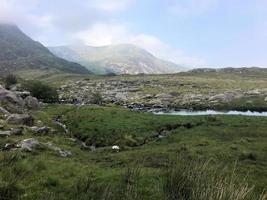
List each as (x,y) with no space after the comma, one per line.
(119,59)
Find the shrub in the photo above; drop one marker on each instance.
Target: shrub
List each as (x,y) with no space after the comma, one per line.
(97,98)
(10,80)
(41,91)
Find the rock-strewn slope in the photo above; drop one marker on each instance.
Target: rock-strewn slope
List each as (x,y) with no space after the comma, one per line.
(146,92)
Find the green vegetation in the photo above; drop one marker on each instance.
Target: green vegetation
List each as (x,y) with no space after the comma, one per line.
(10,80)
(203,157)
(41,91)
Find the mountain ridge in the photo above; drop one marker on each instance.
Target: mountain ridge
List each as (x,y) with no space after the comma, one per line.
(19,52)
(119,59)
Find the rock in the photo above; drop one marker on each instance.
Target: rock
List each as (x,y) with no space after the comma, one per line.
(265,99)
(23,94)
(32,103)
(115,148)
(40,130)
(16,131)
(9,147)
(4,111)
(60,152)
(28,144)
(164,96)
(10,101)
(5,133)
(20,119)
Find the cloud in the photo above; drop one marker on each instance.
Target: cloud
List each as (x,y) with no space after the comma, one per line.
(191,7)
(88,22)
(110,34)
(110,5)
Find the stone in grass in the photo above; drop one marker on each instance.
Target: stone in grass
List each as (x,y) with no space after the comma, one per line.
(62,153)
(40,130)
(29,144)
(20,119)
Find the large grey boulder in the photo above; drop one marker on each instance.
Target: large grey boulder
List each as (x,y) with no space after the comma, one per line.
(32,103)
(20,119)
(10,101)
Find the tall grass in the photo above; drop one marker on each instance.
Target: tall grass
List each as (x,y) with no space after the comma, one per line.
(203,181)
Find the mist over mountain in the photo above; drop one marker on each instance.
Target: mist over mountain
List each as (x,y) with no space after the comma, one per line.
(119,59)
(19,52)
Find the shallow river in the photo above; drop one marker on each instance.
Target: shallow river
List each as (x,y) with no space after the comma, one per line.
(212,112)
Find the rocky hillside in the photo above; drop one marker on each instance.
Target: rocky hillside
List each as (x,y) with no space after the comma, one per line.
(244,71)
(118,59)
(19,52)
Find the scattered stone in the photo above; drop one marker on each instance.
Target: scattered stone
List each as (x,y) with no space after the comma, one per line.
(115,148)
(5,133)
(16,131)
(60,152)
(32,103)
(28,144)
(20,119)
(40,130)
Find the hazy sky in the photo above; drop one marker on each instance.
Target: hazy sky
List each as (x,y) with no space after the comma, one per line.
(219,33)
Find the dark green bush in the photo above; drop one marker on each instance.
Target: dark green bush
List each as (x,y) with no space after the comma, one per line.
(10,80)
(41,91)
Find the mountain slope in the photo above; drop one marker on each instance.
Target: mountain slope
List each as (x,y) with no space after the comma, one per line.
(19,52)
(119,59)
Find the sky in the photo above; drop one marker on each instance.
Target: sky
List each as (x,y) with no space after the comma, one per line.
(195,33)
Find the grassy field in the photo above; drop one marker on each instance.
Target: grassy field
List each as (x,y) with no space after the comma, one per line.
(199,151)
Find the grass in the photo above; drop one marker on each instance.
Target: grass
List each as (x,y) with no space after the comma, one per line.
(197,154)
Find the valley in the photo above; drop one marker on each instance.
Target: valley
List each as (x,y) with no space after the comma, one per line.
(98,123)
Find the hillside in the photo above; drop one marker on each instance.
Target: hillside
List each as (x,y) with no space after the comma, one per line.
(119,59)
(243,71)
(20,52)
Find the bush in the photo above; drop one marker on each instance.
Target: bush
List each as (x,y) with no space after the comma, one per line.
(10,80)
(97,98)
(41,91)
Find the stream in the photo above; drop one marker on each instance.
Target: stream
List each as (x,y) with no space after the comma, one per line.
(212,112)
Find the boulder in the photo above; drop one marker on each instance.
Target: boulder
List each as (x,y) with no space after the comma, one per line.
(60,152)
(40,130)
(10,101)
(28,144)
(20,119)
(32,103)
(265,99)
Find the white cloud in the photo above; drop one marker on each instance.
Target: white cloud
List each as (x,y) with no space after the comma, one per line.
(192,7)
(108,34)
(109,5)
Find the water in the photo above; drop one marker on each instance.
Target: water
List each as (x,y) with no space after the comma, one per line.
(212,112)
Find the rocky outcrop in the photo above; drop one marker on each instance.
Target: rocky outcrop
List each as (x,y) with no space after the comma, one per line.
(10,101)
(20,119)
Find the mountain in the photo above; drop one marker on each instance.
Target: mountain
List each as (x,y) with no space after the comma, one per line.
(118,59)
(20,52)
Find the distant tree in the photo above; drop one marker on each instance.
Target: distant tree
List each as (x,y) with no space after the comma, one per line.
(41,91)
(97,98)
(10,80)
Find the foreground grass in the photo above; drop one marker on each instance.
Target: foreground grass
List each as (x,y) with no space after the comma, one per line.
(200,157)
